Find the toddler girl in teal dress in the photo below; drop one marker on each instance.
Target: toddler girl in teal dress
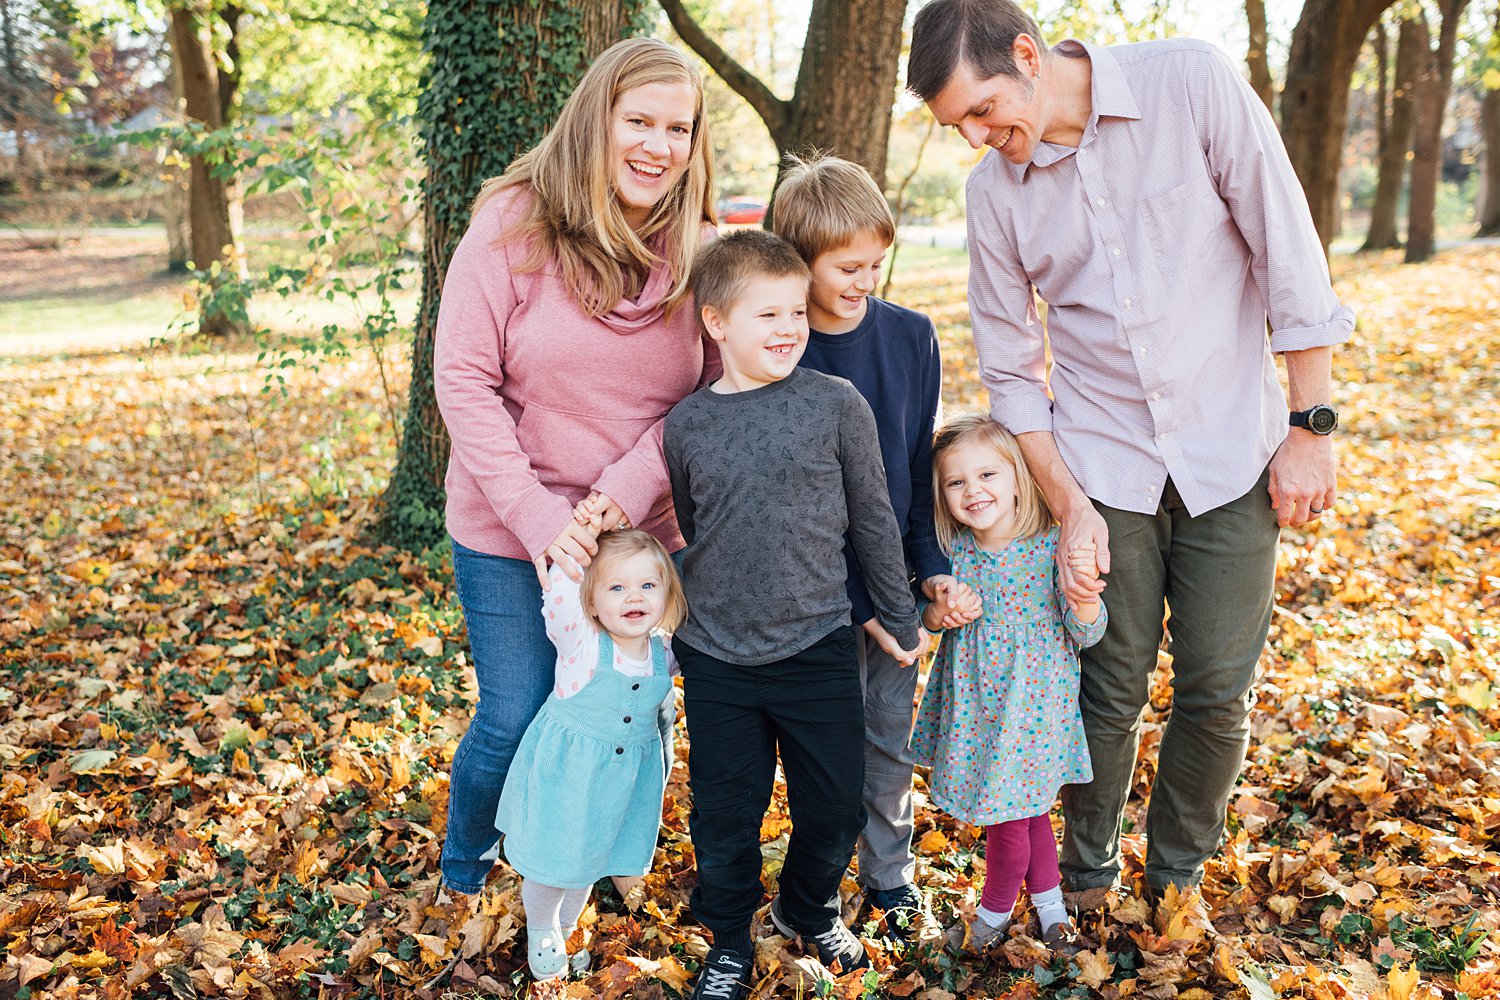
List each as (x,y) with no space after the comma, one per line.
(583,797)
(999,723)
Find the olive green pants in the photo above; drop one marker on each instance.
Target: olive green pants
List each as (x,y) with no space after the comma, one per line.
(1215,573)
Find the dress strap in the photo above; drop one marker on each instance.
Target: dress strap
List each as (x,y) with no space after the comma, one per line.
(606,651)
(658,656)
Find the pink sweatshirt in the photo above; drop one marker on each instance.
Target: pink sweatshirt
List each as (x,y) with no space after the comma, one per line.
(544,402)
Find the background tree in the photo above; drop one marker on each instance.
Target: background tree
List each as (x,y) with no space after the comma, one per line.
(205,51)
(1433,85)
(1315,101)
(498,75)
(1257,59)
(846,84)
(1395,135)
(1489,184)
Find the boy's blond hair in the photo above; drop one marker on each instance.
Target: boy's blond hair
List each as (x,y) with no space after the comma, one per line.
(1032,514)
(622,544)
(727,265)
(824,202)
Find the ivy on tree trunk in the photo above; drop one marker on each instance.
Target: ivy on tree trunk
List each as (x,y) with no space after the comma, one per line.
(498,75)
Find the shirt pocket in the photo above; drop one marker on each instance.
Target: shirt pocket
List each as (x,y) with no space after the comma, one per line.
(1181,221)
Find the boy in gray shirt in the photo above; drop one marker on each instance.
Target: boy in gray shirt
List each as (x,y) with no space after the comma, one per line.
(771,467)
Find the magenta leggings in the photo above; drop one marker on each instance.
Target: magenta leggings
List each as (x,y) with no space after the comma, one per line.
(1017,851)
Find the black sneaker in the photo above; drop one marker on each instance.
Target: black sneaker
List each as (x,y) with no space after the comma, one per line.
(725,976)
(905,908)
(834,944)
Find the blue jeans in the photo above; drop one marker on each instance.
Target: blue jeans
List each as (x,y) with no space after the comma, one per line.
(514,662)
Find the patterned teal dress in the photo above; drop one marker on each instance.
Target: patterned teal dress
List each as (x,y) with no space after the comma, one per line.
(999,723)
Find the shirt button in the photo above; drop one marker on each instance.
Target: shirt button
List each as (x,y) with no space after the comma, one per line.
(1101,202)
(1143,352)
(627,718)
(1155,396)
(619,749)
(1115,251)
(635,687)
(1129,303)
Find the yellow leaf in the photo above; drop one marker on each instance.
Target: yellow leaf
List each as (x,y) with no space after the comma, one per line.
(107,860)
(671,972)
(933,842)
(1478,695)
(1403,981)
(1094,968)
(52,526)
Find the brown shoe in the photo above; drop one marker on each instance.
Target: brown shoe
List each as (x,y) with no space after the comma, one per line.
(1062,939)
(1093,899)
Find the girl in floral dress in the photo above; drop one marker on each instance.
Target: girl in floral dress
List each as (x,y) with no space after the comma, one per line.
(999,723)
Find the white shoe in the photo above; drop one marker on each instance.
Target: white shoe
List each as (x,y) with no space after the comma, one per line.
(546,952)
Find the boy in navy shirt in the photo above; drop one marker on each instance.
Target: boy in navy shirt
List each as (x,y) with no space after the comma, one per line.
(835,216)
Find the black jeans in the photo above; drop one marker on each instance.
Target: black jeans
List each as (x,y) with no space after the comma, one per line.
(810,706)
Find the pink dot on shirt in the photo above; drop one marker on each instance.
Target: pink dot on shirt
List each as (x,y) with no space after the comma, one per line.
(575,685)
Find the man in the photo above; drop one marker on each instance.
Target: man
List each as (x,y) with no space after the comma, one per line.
(1143,192)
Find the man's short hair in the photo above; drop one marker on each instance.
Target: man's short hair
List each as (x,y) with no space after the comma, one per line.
(978,32)
(726,266)
(824,202)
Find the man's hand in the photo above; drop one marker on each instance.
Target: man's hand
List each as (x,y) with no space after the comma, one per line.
(1303,481)
(1086,533)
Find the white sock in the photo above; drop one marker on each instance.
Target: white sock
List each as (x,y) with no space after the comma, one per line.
(542,903)
(573,902)
(1050,909)
(999,921)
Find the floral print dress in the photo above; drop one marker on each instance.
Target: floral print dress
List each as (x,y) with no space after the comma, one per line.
(999,723)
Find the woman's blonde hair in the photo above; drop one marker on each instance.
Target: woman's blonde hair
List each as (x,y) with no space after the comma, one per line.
(622,544)
(1032,514)
(574,216)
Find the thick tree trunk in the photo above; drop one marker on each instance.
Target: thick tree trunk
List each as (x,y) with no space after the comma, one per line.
(500,72)
(175,197)
(1489,204)
(213,210)
(1489,187)
(846,83)
(1411,47)
(1256,58)
(1315,100)
(1427,138)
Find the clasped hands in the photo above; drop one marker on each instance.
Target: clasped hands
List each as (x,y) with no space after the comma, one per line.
(575,546)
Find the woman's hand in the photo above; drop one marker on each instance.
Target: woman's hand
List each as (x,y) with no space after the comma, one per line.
(609,513)
(572,549)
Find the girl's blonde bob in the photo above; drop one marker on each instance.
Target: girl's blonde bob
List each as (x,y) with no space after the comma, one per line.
(622,544)
(574,217)
(1032,514)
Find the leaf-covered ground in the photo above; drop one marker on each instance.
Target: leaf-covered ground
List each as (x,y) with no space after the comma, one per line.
(227,718)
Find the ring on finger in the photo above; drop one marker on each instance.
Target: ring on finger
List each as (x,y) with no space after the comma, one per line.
(621,523)
(1315,510)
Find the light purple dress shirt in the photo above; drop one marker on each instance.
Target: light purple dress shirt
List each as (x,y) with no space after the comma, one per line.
(1161,246)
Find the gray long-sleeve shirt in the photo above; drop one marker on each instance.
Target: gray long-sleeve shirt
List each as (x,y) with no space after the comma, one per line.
(766,484)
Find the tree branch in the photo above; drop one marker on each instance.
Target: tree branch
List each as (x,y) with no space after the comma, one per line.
(775,112)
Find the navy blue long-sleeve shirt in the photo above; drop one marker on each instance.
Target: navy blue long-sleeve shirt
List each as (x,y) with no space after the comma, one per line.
(892,359)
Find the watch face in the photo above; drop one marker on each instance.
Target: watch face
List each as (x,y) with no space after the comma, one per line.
(1322,419)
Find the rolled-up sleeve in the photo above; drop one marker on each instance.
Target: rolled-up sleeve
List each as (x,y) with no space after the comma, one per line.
(1008,334)
(1255,178)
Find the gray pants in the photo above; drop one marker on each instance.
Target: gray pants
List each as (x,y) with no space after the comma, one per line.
(1216,575)
(885,859)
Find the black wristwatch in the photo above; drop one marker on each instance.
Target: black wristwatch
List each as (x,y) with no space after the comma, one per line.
(1321,419)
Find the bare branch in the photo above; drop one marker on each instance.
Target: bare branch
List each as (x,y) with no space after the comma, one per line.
(775,112)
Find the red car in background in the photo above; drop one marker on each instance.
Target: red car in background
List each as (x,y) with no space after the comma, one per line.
(742,211)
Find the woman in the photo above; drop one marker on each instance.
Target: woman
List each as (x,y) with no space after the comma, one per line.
(564,336)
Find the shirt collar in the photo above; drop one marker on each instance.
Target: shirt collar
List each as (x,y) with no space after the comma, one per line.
(1109,97)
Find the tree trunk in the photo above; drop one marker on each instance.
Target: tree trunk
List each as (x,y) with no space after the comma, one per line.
(1427,138)
(499,74)
(846,83)
(1315,100)
(1489,186)
(1256,58)
(213,201)
(175,197)
(1411,46)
